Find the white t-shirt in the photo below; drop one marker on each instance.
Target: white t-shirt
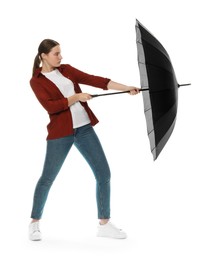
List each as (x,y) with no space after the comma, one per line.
(66,86)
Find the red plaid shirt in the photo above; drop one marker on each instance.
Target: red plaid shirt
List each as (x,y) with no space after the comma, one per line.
(56,104)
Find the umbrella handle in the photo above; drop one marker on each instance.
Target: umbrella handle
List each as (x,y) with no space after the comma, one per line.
(115,93)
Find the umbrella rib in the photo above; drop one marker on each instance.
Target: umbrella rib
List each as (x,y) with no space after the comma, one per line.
(153,149)
(153,65)
(151,131)
(146,110)
(166,113)
(139,42)
(147,42)
(158,67)
(165,55)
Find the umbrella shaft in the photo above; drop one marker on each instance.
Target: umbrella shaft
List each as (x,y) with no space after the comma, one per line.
(115,93)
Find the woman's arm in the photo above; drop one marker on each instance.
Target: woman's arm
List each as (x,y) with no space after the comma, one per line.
(117,86)
(84,97)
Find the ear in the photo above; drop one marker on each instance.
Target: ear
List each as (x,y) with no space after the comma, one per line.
(43,55)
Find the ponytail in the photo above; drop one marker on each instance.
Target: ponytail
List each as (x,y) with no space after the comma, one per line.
(36,64)
(45,47)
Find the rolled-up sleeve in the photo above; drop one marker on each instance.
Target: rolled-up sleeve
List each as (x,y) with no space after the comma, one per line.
(51,104)
(88,79)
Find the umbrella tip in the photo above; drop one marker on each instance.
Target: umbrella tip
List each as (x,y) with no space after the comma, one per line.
(138,22)
(181,85)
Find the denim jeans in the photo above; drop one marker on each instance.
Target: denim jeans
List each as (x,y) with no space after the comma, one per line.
(87,142)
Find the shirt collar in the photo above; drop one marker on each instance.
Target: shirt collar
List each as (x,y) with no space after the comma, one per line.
(38,70)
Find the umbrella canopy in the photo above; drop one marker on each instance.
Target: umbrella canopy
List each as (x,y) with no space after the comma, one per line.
(159,88)
(157,76)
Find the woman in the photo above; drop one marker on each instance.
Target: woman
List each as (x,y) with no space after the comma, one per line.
(57,88)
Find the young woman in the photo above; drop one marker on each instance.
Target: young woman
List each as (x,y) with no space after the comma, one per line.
(57,88)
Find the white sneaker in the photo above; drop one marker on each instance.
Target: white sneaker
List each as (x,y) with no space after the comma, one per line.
(34,231)
(110,231)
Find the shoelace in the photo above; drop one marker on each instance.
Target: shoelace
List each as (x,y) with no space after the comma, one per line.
(112,225)
(35,227)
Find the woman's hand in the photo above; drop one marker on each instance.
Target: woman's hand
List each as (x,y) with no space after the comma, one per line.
(84,97)
(133,90)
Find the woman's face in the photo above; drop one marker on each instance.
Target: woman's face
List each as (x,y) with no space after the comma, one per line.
(53,58)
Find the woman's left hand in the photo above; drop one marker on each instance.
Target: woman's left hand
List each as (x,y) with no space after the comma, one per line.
(133,90)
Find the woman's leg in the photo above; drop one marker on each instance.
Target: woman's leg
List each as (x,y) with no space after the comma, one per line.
(87,142)
(56,153)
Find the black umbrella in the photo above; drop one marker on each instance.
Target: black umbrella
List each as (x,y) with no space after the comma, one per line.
(159,86)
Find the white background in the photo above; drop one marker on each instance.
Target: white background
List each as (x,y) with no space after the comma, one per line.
(167,207)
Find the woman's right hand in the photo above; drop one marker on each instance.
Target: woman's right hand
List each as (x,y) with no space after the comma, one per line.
(84,97)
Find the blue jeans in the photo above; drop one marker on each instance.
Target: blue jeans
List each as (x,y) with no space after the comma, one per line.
(87,142)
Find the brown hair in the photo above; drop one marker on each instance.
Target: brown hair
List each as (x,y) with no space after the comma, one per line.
(44,47)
